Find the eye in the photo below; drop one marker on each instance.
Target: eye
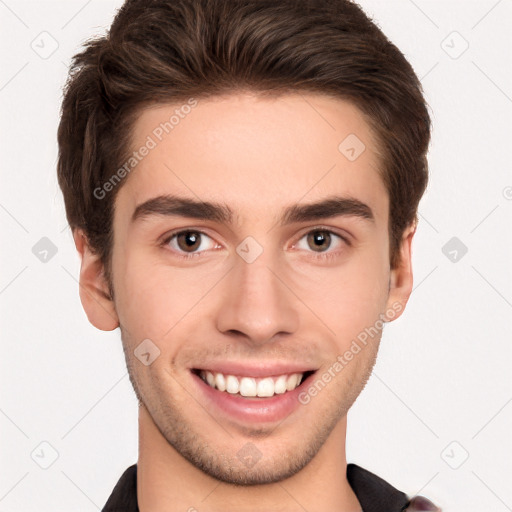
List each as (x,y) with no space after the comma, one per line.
(321,240)
(190,242)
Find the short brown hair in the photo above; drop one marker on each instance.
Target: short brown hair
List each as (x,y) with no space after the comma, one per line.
(160,51)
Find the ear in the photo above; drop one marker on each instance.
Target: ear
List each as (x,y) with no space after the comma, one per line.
(401,280)
(94,292)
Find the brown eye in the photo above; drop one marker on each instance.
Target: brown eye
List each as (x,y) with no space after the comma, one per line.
(323,243)
(319,240)
(188,241)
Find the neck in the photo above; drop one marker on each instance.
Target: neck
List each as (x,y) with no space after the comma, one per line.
(167,481)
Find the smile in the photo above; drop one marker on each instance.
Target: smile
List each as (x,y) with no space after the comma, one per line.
(252,386)
(267,393)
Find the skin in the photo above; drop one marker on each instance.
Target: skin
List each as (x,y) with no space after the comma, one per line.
(258,156)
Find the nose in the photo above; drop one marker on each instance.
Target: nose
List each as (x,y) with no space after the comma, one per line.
(256,305)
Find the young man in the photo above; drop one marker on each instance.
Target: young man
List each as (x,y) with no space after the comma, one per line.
(242,181)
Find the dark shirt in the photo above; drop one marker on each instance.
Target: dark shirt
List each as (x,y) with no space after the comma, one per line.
(374,493)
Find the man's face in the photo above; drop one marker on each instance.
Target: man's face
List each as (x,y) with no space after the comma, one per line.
(255,295)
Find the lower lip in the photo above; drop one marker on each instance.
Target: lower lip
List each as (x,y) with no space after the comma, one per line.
(261,410)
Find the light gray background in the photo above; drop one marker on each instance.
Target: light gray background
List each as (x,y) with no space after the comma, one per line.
(441,390)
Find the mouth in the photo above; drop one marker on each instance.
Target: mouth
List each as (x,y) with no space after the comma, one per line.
(264,394)
(252,386)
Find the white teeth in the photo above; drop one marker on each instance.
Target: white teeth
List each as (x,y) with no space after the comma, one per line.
(252,387)
(247,386)
(292,382)
(210,379)
(266,387)
(220,382)
(280,385)
(232,385)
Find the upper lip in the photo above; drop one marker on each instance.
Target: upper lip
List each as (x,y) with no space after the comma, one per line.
(262,369)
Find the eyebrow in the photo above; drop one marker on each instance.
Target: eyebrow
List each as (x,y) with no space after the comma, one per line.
(170,205)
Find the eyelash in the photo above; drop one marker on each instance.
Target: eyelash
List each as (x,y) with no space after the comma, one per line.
(321,255)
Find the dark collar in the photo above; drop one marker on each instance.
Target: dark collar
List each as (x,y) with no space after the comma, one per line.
(374,494)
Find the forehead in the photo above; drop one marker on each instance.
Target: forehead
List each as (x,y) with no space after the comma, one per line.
(258,154)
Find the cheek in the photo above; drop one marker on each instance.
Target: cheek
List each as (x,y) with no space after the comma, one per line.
(350,312)
(350,298)
(143,299)
(152,297)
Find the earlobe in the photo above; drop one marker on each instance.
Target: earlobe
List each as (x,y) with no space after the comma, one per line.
(401,278)
(94,292)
